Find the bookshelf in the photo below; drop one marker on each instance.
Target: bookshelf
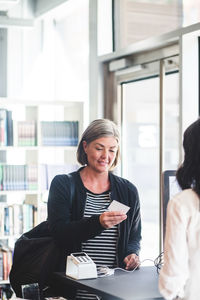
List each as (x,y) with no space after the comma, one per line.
(37,141)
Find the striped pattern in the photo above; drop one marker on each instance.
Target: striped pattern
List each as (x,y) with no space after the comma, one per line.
(102,248)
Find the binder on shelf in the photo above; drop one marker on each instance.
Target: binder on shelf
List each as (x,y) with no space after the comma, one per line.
(5,262)
(59,133)
(18,219)
(18,177)
(1,220)
(6,221)
(15,219)
(6,128)
(1,177)
(27,133)
(9,128)
(1,265)
(32,177)
(28,212)
(11,220)
(3,129)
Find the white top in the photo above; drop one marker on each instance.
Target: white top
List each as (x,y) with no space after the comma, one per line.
(180,275)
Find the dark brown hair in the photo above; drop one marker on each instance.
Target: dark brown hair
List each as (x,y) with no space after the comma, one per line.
(188,174)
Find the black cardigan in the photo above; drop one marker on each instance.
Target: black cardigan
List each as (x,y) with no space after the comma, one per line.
(70,228)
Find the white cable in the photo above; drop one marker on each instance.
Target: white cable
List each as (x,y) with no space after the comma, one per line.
(106,271)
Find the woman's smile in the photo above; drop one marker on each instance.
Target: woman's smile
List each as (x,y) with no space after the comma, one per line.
(101,153)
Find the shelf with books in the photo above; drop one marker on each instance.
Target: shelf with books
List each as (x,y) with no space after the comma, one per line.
(26,133)
(18,177)
(5,263)
(16,218)
(59,133)
(37,142)
(32,124)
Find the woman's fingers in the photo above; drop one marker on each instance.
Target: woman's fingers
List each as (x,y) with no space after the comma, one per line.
(131,261)
(111,218)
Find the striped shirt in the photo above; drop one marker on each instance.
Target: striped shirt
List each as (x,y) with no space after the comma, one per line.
(101,248)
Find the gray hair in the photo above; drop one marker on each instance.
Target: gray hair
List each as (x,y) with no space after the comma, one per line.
(96,129)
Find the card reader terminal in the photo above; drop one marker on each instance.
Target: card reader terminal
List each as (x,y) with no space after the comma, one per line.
(80,266)
(81,257)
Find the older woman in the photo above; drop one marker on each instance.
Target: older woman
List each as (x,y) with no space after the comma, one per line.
(110,238)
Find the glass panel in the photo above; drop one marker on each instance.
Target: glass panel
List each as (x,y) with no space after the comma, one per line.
(61,62)
(104,25)
(140,154)
(191,12)
(171,122)
(141,19)
(72,51)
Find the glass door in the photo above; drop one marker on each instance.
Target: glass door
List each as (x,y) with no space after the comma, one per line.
(150,141)
(172,138)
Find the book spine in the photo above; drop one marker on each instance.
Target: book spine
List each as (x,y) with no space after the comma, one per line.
(9,128)
(5,265)
(1,177)
(1,265)
(6,221)
(3,128)
(1,220)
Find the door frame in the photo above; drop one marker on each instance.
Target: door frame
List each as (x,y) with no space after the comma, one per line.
(137,68)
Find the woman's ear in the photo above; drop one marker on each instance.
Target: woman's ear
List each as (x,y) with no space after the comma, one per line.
(85,146)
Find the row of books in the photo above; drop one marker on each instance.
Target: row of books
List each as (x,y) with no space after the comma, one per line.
(5,262)
(27,177)
(16,219)
(53,133)
(59,133)
(18,177)
(6,128)
(27,133)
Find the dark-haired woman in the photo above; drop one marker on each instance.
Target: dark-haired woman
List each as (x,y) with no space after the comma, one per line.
(180,275)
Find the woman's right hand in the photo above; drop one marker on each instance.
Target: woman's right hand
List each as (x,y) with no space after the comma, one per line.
(110,218)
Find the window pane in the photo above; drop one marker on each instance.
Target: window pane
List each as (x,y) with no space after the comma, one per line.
(171,122)
(140,154)
(72,52)
(191,12)
(61,63)
(141,19)
(104,25)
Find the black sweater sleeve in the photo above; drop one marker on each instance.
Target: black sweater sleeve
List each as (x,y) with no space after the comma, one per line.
(135,228)
(60,216)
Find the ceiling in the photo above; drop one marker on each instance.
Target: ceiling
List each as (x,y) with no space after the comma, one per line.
(40,7)
(6,5)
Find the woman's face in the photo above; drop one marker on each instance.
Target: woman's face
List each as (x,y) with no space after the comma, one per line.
(101,153)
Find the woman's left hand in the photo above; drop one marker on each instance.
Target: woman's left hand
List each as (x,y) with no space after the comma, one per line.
(131,261)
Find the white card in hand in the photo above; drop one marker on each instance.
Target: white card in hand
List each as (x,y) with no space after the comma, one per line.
(117,206)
